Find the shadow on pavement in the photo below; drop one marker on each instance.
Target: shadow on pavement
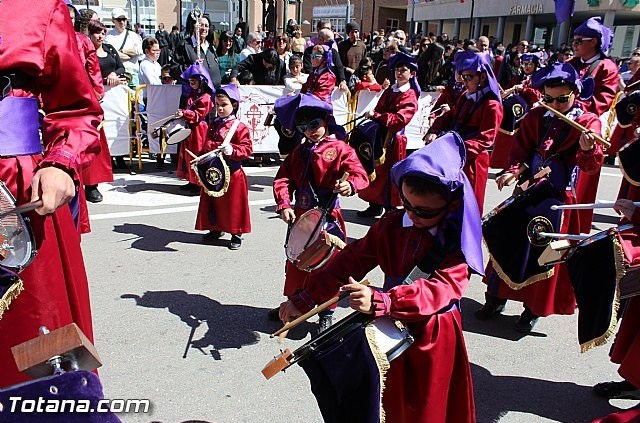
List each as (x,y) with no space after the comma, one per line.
(500,326)
(151,238)
(558,401)
(228,325)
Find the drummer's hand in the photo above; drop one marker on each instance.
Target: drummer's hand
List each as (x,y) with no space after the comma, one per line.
(368,114)
(287,215)
(587,141)
(179,113)
(343,188)
(288,312)
(386,84)
(54,187)
(360,298)
(505,180)
(343,86)
(428,139)
(625,207)
(445,108)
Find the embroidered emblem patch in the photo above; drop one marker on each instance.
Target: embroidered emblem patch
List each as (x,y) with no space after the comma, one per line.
(365,150)
(214,176)
(330,155)
(517,110)
(304,201)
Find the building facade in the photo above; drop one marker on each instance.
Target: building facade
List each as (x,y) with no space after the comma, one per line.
(534,20)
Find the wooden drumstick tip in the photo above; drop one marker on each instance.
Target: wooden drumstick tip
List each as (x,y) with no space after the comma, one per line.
(189,152)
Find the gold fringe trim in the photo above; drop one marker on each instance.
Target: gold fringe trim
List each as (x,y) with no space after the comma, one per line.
(381,362)
(383,157)
(372,176)
(516,286)
(10,295)
(225,185)
(340,244)
(618,254)
(512,133)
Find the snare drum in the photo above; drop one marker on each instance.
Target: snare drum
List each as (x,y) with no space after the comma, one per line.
(603,269)
(312,239)
(177,130)
(17,243)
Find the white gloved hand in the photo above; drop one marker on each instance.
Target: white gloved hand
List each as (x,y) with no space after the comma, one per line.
(227,150)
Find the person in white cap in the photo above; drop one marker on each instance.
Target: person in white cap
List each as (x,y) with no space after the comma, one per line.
(128,43)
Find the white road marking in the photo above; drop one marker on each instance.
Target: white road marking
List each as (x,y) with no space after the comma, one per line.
(169,210)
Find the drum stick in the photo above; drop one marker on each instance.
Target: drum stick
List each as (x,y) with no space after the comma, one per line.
(292,324)
(163,119)
(631,87)
(100,125)
(587,206)
(575,124)
(569,237)
(191,154)
(22,208)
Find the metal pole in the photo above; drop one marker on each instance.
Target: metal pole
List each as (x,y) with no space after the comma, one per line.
(285,15)
(373,22)
(471,20)
(361,18)
(413,11)
(348,19)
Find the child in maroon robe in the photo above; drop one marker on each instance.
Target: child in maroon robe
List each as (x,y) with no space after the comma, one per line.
(430,381)
(230,212)
(321,81)
(476,117)
(196,113)
(311,173)
(545,140)
(394,111)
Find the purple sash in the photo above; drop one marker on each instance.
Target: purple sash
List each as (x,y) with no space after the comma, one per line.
(19,127)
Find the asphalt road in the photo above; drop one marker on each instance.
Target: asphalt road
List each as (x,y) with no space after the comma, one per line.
(156,286)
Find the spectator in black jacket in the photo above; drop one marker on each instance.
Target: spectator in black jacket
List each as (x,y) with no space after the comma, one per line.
(266,67)
(185,53)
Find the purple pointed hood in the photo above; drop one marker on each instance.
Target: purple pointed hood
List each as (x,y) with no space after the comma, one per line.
(442,161)
(593,27)
(198,69)
(478,62)
(566,73)
(286,109)
(232,92)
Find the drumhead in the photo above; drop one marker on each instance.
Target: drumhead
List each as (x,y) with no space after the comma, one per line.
(177,131)
(391,336)
(302,233)
(17,241)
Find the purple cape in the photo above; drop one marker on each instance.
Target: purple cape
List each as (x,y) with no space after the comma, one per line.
(478,62)
(442,161)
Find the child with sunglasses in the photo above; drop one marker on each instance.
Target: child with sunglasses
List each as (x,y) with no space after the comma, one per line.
(311,172)
(394,111)
(195,114)
(431,380)
(230,212)
(516,101)
(545,140)
(475,116)
(322,80)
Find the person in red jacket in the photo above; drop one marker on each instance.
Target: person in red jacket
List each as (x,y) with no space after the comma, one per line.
(311,174)
(45,72)
(230,212)
(426,253)
(322,80)
(545,140)
(196,113)
(476,117)
(394,111)
(591,42)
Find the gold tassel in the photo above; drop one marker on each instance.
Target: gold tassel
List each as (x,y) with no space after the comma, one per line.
(10,295)
(382,363)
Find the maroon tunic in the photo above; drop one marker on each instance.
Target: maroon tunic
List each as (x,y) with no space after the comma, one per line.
(504,141)
(195,114)
(431,381)
(320,84)
(553,295)
(329,160)
(56,289)
(229,213)
(605,76)
(627,416)
(394,111)
(478,126)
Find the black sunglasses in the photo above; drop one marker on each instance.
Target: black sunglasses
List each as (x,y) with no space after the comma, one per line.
(560,99)
(312,125)
(420,212)
(467,76)
(120,19)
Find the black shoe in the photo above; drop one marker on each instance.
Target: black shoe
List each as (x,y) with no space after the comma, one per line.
(371,211)
(617,390)
(492,306)
(526,322)
(92,194)
(274,314)
(120,163)
(212,235)
(236,242)
(324,323)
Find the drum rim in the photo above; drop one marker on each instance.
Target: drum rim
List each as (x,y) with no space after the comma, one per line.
(23,221)
(315,210)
